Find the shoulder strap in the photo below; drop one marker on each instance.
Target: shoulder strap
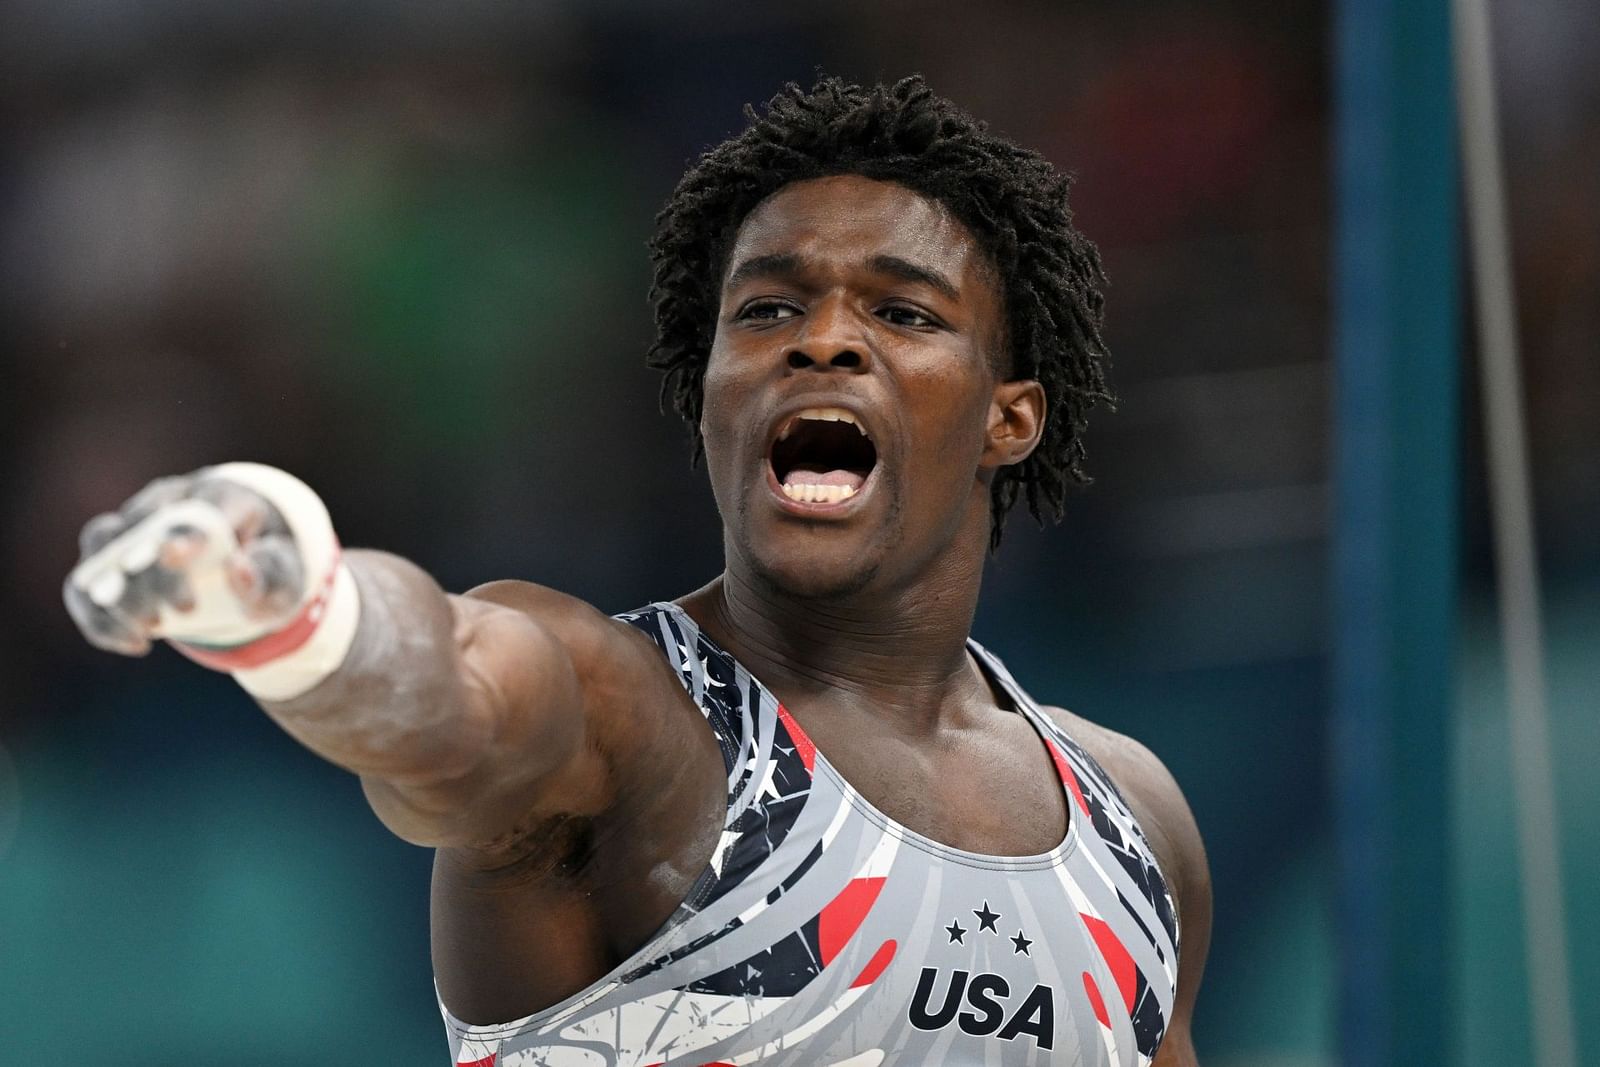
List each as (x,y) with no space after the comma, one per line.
(706,673)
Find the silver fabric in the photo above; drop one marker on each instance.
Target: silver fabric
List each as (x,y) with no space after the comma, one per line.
(823,932)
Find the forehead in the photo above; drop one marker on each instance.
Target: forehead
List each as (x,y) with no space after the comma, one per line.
(848,218)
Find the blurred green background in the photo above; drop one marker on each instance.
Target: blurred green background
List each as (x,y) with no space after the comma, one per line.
(399,250)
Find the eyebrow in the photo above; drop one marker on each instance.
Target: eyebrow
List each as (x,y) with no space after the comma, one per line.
(775,265)
(908,271)
(787,265)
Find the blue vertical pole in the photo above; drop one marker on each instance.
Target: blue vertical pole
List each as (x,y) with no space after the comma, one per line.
(1395,322)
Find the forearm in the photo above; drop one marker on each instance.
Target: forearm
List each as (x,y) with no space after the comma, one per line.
(410,704)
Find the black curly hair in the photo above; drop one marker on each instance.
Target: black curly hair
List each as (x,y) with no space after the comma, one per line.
(1011,199)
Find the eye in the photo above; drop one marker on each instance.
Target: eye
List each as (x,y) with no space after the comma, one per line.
(905,315)
(766,311)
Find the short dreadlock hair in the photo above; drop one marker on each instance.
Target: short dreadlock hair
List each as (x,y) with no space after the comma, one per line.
(1011,199)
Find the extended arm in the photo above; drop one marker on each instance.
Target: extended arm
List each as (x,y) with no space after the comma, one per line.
(465,716)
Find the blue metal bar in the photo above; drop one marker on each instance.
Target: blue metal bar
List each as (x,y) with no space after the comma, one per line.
(1395,312)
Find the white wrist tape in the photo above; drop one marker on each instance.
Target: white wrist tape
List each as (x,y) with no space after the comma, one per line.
(298,672)
(330,604)
(277,663)
(300,507)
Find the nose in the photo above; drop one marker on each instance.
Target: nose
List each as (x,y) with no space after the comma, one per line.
(832,338)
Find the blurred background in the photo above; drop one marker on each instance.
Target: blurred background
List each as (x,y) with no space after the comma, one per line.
(399,249)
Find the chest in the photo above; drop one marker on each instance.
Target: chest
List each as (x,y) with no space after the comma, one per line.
(991,790)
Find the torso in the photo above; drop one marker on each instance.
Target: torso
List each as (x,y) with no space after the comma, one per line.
(786,951)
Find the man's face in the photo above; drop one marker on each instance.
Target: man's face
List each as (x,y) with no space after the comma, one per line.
(851,402)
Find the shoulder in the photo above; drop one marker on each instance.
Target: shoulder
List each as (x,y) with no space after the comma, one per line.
(596,642)
(635,709)
(1163,813)
(1158,803)
(557,610)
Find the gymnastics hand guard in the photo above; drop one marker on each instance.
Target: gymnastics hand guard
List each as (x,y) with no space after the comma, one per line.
(207,598)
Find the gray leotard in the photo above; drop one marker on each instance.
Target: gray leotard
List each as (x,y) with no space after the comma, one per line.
(825,933)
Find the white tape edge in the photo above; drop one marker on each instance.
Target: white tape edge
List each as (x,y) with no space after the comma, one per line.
(302,670)
(300,507)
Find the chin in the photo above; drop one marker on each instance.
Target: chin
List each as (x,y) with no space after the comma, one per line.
(808,567)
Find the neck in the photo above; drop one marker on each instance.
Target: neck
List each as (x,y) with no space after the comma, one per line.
(901,650)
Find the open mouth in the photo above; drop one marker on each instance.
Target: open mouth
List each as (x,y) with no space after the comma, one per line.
(822,456)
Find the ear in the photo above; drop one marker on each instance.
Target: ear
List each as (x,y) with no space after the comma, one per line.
(1016,422)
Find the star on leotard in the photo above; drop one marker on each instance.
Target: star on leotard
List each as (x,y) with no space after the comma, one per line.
(1020,944)
(956,932)
(987,918)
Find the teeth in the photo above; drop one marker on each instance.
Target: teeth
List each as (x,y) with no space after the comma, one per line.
(819,494)
(820,415)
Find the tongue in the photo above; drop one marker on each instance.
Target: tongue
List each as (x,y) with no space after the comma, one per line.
(801,476)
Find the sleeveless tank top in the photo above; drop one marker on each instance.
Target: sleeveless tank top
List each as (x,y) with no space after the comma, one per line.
(824,933)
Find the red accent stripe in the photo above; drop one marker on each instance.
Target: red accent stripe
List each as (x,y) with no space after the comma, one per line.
(1068,778)
(1096,1001)
(1116,956)
(875,966)
(279,643)
(843,915)
(487,1061)
(802,743)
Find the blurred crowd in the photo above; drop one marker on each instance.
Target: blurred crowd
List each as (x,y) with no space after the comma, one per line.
(399,250)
